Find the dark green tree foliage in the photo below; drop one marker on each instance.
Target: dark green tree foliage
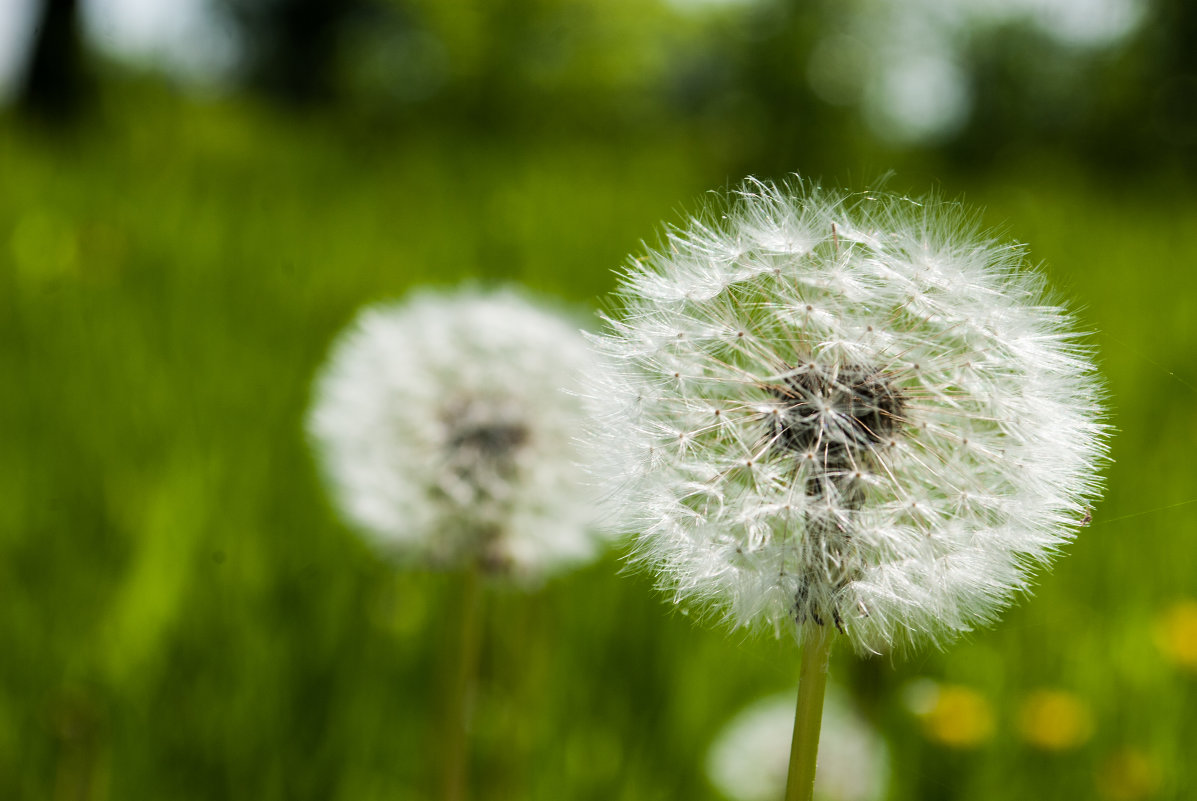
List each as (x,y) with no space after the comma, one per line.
(293,47)
(56,83)
(1172,111)
(1121,108)
(745,79)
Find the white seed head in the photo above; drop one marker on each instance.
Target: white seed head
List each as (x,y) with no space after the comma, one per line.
(749,759)
(447,426)
(855,411)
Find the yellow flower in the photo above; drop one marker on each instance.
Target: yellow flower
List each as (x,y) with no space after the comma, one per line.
(1176,634)
(952,715)
(1128,775)
(1054,720)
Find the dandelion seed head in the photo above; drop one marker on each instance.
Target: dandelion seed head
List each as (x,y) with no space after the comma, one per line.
(856,411)
(447,423)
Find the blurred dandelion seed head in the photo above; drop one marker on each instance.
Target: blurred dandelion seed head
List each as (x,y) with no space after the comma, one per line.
(849,410)
(749,759)
(446,426)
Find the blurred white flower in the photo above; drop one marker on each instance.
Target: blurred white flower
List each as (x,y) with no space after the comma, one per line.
(851,410)
(447,429)
(749,759)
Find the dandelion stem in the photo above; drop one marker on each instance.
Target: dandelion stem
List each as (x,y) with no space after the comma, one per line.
(808,716)
(462,689)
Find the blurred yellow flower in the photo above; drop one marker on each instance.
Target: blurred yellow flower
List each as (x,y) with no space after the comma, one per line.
(1176,634)
(1054,720)
(951,714)
(1128,775)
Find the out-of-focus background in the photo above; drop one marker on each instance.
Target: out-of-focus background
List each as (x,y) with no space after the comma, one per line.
(196,195)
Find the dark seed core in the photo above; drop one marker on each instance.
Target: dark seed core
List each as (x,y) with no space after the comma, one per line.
(835,419)
(493,441)
(837,411)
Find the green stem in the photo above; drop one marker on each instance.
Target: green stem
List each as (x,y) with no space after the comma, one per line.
(808,716)
(462,689)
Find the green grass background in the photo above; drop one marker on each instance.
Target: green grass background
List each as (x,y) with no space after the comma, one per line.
(182,615)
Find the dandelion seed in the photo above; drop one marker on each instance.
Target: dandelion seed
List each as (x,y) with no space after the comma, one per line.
(907,428)
(447,426)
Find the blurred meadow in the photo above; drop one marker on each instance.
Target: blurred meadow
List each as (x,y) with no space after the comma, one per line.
(183,615)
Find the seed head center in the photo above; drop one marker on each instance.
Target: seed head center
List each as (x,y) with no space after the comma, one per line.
(482,456)
(839,411)
(492,441)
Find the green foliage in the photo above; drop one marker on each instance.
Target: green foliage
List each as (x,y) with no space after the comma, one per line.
(183,616)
